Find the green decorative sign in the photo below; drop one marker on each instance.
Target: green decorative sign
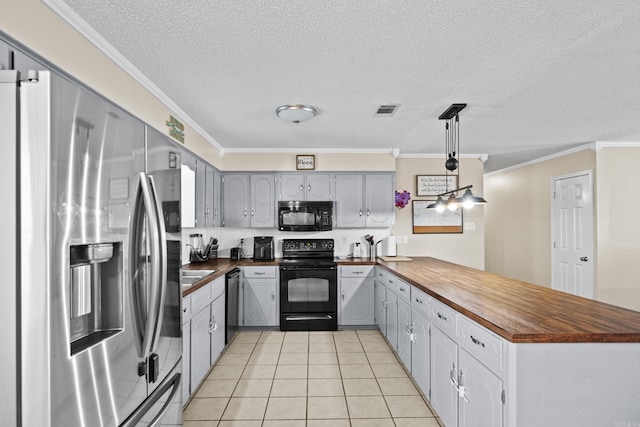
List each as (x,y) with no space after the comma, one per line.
(176,129)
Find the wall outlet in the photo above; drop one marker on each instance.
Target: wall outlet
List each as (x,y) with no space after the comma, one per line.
(470,226)
(343,240)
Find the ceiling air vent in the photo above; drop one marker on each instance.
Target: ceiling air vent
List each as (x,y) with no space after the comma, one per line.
(386,110)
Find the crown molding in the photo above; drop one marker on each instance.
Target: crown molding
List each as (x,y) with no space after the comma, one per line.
(599,145)
(311,150)
(482,157)
(87,31)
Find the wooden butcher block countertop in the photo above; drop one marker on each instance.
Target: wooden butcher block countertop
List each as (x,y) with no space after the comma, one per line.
(518,311)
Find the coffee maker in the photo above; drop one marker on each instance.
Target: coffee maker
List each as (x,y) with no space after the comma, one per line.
(263,248)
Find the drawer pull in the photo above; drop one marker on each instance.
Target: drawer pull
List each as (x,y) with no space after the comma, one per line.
(419,301)
(477,341)
(443,317)
(260,273)
(184,310)
(403,290)
(358,272)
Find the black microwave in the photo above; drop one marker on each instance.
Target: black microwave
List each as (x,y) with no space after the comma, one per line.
(305,216)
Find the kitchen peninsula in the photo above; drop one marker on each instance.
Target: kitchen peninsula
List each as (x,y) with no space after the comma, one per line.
(538,356)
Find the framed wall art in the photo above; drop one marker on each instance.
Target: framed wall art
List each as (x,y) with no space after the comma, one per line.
(306,162)
(432,185)
(430,221)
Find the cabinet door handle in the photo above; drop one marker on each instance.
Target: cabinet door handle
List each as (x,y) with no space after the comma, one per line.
(253,212)
(210,327)
(273,296)
(301,188)
(477,341)
(360,213)
(245,212)
(368,212)
(309,187)
(342,295)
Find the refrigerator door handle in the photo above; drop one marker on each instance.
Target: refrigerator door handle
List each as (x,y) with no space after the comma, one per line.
(161,265)
(153,398)
(151,326)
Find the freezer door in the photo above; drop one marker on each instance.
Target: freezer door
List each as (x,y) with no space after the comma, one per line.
(80,352)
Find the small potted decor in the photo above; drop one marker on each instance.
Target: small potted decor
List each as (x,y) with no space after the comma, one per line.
(402,199)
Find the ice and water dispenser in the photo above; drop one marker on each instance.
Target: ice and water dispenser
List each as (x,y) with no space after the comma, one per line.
(95,293)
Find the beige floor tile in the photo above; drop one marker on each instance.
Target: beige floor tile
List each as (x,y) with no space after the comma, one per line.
(268,337)
(376,422)
(267,348)
(371,339)
(397,387)
(264,359)
(346,336)
(322,347)
(368,332)
(381,357)
(388,370)
(323,358)
(245,408)
(326,408)
(356,371)
(367,407)
(289,388)
(349,347)
(325,387)
(324,371)
(240,423)
(239,348)
(286,408)
(372,347)
(352,359)
(234,359)
(328,423)
(293,359)
(259,372)
(217,388)
(408,407)
(247,337)
(283,423)
(295,347)
(200,423)
(320,336)
(253,388)
(205,409)
(416,422)
(291,371)
(361,387)
(226,372)
(296,337)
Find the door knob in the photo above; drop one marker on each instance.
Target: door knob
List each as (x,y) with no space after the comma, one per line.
(584,258)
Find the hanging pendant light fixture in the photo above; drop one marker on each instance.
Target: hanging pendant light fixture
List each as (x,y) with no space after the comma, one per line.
(452,163)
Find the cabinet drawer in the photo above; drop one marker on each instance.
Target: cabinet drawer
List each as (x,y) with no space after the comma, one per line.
(419,301)
(357,271)
(391,282)
(186,308)
(259,272)
(404,290)
(200,299)
(217,288)
(381,275)
(481,343)
(443,316)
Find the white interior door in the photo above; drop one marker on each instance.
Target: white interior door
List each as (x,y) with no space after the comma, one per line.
(572,234)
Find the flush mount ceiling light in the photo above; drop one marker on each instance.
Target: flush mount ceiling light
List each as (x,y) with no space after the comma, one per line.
(452,154)
(296,113)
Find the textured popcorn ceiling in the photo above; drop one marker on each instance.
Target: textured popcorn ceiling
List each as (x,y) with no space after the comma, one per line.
(538,76)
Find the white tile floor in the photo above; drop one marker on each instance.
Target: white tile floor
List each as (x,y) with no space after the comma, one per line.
(312,379)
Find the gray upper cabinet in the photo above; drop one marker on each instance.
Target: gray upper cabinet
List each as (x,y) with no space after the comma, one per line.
(364,200)
(263,202)
(188,190)
(217,198)
(349,205)
(201,168)
(236,200)
(379,199)
(208,196)
(301,186)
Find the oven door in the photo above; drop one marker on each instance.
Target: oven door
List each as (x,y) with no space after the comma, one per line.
(308,298)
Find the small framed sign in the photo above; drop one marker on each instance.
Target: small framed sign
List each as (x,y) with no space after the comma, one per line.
(432,185)
(305,162)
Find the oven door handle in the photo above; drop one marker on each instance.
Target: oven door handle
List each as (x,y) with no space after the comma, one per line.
(302,318)
(307,268)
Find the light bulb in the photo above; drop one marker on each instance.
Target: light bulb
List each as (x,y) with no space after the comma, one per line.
(440,208)
(452,206)
(467,204)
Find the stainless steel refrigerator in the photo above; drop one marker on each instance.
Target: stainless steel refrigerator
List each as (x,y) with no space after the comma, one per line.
(93,199)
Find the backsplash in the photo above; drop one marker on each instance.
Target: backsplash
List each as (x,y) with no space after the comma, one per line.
(230,238)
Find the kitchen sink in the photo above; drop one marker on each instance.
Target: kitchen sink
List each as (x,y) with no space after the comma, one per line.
(189,277)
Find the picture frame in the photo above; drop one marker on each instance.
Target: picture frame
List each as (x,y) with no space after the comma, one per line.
(305,162)
(427,221)
(432,185)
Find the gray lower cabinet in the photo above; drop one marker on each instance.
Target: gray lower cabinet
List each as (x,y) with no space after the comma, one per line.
(186,348)
(404,332)
(357,296)
(482,400)
(420,351)
(260,296)
(444,369)
(204,333)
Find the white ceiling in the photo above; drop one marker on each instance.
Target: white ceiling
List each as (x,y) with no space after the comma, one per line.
(539,77)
